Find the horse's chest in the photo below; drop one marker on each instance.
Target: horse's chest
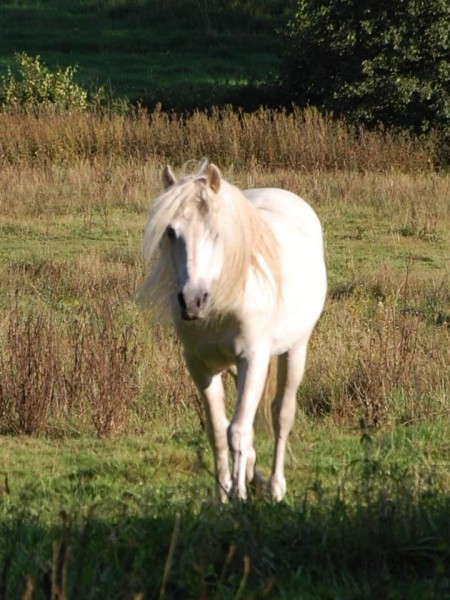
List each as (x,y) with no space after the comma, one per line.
(216,345)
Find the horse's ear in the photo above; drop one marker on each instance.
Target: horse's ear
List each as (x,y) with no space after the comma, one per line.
(168,177)
(214,177)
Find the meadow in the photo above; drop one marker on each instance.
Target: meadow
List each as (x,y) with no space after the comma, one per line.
(183,53)
(106,485)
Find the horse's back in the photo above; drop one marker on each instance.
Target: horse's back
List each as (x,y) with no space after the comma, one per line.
(274,202)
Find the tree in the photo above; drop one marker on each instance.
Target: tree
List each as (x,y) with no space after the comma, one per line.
(372,60)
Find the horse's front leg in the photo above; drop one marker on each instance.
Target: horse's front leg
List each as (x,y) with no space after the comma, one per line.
(252,373)
(212,394)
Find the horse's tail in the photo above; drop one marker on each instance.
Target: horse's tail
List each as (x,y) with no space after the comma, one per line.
(264,417)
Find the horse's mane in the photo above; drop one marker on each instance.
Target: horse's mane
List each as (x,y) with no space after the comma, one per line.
(248,241)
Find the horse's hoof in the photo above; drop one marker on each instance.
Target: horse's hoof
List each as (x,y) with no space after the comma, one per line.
(277,488)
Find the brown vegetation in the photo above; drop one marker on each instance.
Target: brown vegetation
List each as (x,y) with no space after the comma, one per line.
(76,189)
(299,140)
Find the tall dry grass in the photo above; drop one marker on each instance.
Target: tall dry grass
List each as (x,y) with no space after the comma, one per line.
(302,140)
(76,190)
(380,355)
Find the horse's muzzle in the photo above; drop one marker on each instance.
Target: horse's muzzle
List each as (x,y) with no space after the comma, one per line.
(193,304)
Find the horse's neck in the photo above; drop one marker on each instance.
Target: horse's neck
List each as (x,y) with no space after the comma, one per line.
(247,216)
(251,244)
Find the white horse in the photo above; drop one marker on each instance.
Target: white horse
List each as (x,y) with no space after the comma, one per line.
(244,275)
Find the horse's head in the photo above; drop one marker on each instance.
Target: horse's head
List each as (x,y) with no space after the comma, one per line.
(208,239)
(191,241)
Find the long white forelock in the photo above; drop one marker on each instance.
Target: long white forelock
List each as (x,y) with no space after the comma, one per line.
(249,244)
(169,203)
(163,211)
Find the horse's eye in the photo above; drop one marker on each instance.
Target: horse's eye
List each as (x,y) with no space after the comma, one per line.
(171,233)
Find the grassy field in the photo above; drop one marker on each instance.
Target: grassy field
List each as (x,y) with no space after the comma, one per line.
(86,518)
(106,486)
(142,50)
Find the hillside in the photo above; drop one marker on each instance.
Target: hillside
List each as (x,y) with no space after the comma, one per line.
(182,53)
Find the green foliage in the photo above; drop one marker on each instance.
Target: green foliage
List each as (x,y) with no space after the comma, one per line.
(35,85)
(31,84)
(376,61)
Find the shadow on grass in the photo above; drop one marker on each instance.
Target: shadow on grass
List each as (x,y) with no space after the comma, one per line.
(311,549)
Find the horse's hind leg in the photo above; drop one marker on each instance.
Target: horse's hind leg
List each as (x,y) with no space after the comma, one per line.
(253,476)
(291,367)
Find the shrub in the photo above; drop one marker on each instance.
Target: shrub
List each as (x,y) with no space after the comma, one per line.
(33,84)
(30,373)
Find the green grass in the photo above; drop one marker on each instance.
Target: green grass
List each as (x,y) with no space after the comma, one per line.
(66,238)
(366,517)
(141,50)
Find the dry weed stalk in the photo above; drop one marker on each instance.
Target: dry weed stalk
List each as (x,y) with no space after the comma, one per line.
(86,369)
(30,373)
(380,354)
(386,364)
(108,367)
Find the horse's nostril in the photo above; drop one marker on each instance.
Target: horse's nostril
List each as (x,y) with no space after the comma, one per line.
(181,301)
(203,300)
